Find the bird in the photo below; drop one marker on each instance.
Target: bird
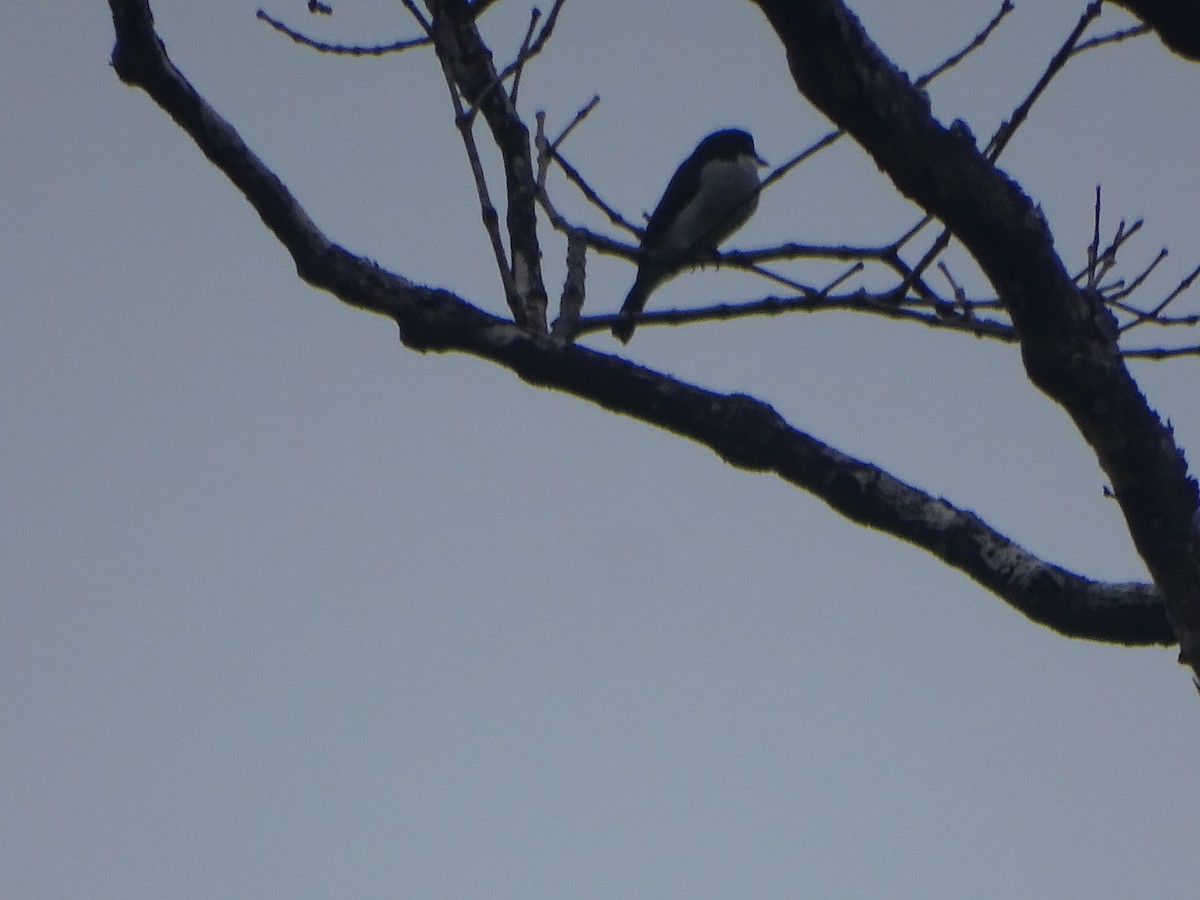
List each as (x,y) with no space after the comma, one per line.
(711,195)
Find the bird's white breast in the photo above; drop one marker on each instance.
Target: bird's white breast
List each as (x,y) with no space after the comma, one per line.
(727,197)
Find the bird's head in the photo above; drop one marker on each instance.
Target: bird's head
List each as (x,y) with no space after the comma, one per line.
(731,144)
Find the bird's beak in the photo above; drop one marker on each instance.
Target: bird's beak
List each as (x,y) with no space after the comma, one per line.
(762,162)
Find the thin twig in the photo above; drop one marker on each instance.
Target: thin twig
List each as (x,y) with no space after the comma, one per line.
(599,242)
(923,81)
(842,279)
(959,292)
(573,175)
(1161,352)
(1137,281)
(416,13)
(807,153)
(1154,315)
(343,49)
(812,300)
(1005,8)
(912,232)
(1003,134)
(1006,131)
(527,51)
(1114,38)
(783,280)
(517,66)
(491,218)
(1122,237)
(534,15)
(584,112)
(1009,128)
(839,252)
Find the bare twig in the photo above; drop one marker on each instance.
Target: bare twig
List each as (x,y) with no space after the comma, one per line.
(491,218)
(1007,129)
(534,15)
(842,279)
(342,49)
(812,300)
(584,112)
(527,52)
(1161,352)
(940,243)
(807,153)
(1138,280)
(1113,38)
(782,280)
(959,292)
(976,42)
(558,221)
(804,251)
(1101,262)
(416,13)
(1155,314)
(1123,234)
(950,62)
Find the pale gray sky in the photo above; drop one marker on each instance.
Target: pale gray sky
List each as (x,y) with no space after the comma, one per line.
(290,611)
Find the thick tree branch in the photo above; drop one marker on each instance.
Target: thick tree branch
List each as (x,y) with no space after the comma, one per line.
(1068,337)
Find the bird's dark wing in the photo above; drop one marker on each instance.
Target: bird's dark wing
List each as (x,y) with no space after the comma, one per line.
(682,187)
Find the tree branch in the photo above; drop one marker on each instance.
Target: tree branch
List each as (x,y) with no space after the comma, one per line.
(461,48)
(1068,336)
(745,432)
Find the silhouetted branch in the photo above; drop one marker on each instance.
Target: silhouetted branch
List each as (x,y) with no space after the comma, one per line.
(976,42)
(1114,38)
(467,62)
(1161,352)
(529,50)
(1155,314)
(343,49)
(814,300)
(745,432)
(1068,336)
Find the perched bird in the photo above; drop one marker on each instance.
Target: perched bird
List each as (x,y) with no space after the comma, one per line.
(708,198)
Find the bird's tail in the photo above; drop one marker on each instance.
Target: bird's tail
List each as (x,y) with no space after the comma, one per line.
(647,280)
